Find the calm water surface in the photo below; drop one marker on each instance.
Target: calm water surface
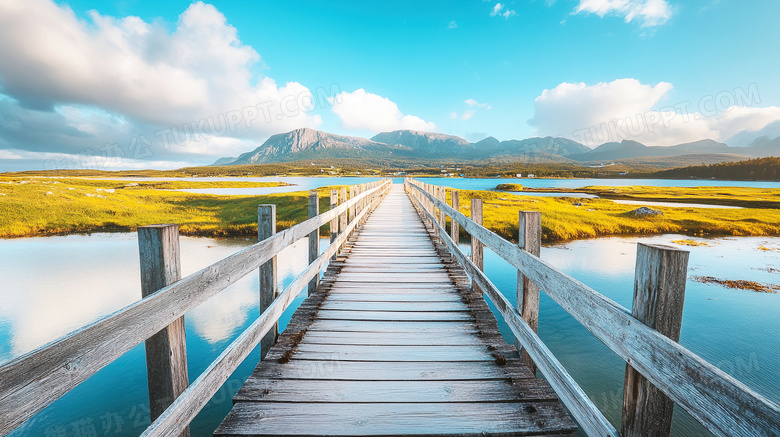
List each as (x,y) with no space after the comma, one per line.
(50,286)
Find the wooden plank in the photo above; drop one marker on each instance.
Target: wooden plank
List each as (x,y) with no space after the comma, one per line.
(396,306)
(410,316)
(659,295)
(166,351)
(392,338)
(395,297)
(266,228)
(331,419)
(454,226)
(421,391)
(391,353)
(385,326)
(388,371)
(722,404)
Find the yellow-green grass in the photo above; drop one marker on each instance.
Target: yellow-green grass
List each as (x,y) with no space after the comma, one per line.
(47,207)
(509,187)
(730,196)
(563,220)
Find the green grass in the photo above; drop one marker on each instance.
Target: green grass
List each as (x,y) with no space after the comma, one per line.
(80,205)
(563,220)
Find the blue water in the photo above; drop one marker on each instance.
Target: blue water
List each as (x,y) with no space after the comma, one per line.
(50,286)
(489,184)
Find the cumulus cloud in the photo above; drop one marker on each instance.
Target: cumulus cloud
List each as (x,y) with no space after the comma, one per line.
(627,109)
(133,74)
(361,110)
(648,13)
(500,10)
(452,25)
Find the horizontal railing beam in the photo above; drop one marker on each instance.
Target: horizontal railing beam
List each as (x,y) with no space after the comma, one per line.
(718,401)
(584,411)
(32,381)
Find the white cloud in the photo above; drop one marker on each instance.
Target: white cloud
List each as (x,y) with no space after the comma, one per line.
(454,115)
(467,115)
(452,25)
(501,11)
(362,110)
(648,12)
(472,102)
(136,74)
(627,109)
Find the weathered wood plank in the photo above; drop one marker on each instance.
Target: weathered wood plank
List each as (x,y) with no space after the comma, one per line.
(331,419)
(410,316)
(389,371)
(421,391)
(392,338)
(384,326)
(438,306)
(314,237)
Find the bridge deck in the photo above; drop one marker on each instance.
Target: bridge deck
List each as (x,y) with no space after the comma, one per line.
(394,342)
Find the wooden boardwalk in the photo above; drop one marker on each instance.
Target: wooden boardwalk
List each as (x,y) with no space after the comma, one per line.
(394,342)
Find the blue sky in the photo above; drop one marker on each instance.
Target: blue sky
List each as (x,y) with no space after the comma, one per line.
(78,76)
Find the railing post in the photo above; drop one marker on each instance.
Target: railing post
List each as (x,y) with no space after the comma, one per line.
(334,223)
(266,227)
(659,294)
(529,239)
(476,245)
(352,209)
(314,237)
(342,217)
(442,196)
(166,351)
(455,228)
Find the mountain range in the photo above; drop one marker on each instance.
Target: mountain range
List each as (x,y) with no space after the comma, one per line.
(309,144)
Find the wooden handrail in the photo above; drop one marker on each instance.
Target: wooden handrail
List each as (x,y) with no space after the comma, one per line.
(718,401)
(36,379)
(570,393)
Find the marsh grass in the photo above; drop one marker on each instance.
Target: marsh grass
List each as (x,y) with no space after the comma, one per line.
(565,218)
(42,206)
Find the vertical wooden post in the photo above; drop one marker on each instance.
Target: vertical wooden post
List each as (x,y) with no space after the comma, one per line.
(334,223)
(442,196)
(266,227)
(455,228)
(529,239)
(659,294)
(166,351)
(343,216)
(476,245)
(352,209)
(314,237)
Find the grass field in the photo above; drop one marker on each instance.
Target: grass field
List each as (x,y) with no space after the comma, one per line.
(43,206)
(46,206)
(566,218)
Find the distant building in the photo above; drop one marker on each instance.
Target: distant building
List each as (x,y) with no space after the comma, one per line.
(531,175)
(357,172)
(519,175)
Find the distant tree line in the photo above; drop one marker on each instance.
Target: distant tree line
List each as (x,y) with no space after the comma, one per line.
(760,169)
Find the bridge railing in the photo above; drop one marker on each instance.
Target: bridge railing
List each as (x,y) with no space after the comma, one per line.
(659,371)
(32,381)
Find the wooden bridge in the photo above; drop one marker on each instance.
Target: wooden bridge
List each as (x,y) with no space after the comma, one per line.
(396,337)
